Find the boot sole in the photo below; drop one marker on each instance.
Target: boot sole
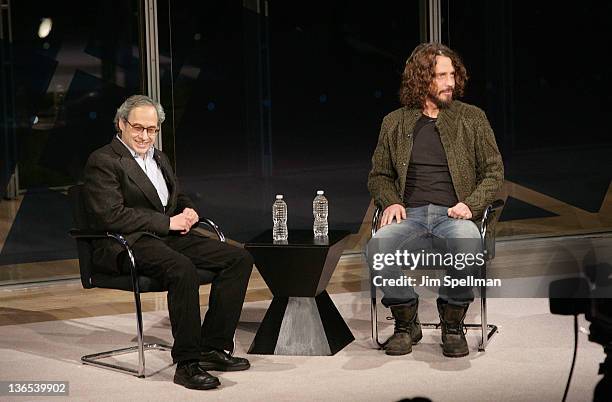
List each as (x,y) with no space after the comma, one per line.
(455,354)
(412,342)
(397,353)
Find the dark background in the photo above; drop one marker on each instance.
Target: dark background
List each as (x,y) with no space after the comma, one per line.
(290,100)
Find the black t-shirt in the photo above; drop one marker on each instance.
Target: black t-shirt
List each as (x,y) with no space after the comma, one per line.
(428,180)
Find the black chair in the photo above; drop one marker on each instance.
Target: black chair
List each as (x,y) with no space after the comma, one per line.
(491,214)
(133,283)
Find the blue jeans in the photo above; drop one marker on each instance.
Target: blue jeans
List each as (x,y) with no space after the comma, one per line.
(425,228)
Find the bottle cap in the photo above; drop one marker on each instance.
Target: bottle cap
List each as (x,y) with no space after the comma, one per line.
(320,192)
(279,196)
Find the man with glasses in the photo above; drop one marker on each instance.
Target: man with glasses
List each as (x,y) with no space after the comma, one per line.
(130,188)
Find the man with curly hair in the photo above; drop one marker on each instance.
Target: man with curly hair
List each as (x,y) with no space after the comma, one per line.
(434,170)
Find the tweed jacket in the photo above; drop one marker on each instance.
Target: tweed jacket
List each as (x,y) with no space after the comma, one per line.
(120,198)
(474,161)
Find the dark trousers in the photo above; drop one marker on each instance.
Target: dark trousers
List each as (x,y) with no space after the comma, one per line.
(173,260)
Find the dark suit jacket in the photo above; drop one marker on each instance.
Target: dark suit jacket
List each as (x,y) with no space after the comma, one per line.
(120,198)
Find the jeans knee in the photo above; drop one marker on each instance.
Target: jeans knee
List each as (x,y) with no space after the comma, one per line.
(466,229)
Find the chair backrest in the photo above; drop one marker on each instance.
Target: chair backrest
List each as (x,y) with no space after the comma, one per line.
(84,247)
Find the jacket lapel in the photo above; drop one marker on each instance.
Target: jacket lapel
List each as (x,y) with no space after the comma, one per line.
(168,174)
(136,174)
(448,123)
(411,116)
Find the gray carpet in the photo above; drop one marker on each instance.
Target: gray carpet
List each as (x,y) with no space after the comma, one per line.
(528,360)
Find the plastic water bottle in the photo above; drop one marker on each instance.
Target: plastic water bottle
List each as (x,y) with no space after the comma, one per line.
(320,211)
(279,217)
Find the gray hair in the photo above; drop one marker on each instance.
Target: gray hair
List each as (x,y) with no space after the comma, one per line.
(135,101)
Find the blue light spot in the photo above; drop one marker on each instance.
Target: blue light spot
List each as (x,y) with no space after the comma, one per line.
(211,106)
(323,98)
(93,115)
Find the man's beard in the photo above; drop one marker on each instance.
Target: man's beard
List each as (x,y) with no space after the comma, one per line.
(439,102)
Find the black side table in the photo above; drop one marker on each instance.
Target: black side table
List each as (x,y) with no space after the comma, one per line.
(302,319)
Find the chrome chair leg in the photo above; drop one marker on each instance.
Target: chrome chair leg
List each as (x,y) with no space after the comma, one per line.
(374,321)
(487,330)
(93,359)
(483,318)
(139,329)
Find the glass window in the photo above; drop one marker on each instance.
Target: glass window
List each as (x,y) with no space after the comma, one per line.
(545,89)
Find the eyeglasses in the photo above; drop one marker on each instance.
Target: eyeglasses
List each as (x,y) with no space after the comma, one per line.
(151,131)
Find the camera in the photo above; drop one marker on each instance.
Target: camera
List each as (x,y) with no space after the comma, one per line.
(591,295)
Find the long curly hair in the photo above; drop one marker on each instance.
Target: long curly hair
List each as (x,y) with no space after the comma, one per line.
(418,74)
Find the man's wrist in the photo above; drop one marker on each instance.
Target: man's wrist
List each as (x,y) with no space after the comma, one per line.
(471,207)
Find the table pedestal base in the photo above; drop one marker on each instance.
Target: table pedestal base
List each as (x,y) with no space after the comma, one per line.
(302,326)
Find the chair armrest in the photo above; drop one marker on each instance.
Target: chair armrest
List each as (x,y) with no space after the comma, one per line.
(497,204)
(79,234)
(86,234)
(93,234)
(488,213)
(376,220)
(214,227)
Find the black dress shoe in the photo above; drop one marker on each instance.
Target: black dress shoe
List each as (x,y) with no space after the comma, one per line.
(192,376)
(222,361)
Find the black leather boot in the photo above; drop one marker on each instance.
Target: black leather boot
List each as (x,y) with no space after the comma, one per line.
(407,330)
(454,343)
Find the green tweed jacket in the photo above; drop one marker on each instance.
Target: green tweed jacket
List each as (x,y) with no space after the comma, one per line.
(474,161)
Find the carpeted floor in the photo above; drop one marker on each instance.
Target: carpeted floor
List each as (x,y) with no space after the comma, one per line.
(528,360)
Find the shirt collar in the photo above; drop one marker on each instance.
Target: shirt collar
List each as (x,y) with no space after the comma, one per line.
(148,155)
